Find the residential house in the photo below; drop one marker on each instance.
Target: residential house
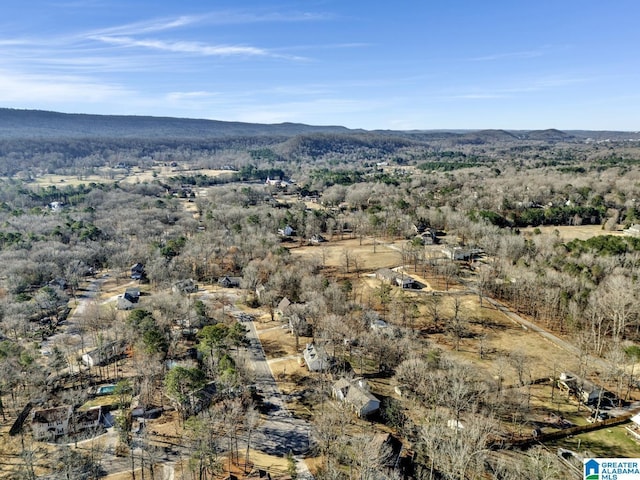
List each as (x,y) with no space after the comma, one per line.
(316,358)
(87,419)
(428,237)
(185,286)
(49,423)
(586,391)
(405,281)
(56,206)
(316,239)
(129,299)
(460,253)
(104,354)
(272,182)
(229,282)
(282,307)
(386,275)
(287,231)
(399,279)
(378,325)
(137,271)
(634,428)
(356,394)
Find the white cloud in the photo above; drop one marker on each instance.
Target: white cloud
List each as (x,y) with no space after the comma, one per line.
(509,55)
(223,17)
(186,47)
(32,89)
(147,26)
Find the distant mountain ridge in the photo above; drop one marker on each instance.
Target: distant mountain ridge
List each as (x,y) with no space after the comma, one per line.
(46,125)
(40,124)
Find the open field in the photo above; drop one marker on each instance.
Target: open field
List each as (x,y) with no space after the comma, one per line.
(568,233)
(134,175)
(361,256)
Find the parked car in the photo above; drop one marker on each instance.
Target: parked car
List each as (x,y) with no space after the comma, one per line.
(598,418)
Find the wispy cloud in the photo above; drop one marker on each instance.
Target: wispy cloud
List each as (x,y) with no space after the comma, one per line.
(229,17)
(186,47)
(478,96)
(516,88)
(29,88)
(509,56)
(147,26)
(225,17)
(15,42)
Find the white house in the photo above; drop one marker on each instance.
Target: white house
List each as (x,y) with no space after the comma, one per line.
(287,231)
(356,394)
(459,253)
(315,357)
(104,354)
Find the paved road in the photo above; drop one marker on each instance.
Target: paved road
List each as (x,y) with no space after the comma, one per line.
(68,332)
(281,432)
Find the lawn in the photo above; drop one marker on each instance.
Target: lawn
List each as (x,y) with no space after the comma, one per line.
(608,442)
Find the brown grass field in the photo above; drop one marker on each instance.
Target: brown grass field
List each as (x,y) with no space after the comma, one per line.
(568,233)
(134,175)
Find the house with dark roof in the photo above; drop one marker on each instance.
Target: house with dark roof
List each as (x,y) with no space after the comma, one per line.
(49,423)
(316,239)
(185,287)
(229,282)
(587,392)
(129,299)
(87,419)
(137,271)
(399,279)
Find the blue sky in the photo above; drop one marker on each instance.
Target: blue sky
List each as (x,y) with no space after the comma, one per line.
(422,64)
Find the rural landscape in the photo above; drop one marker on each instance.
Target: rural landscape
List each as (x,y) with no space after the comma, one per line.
(192,299)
